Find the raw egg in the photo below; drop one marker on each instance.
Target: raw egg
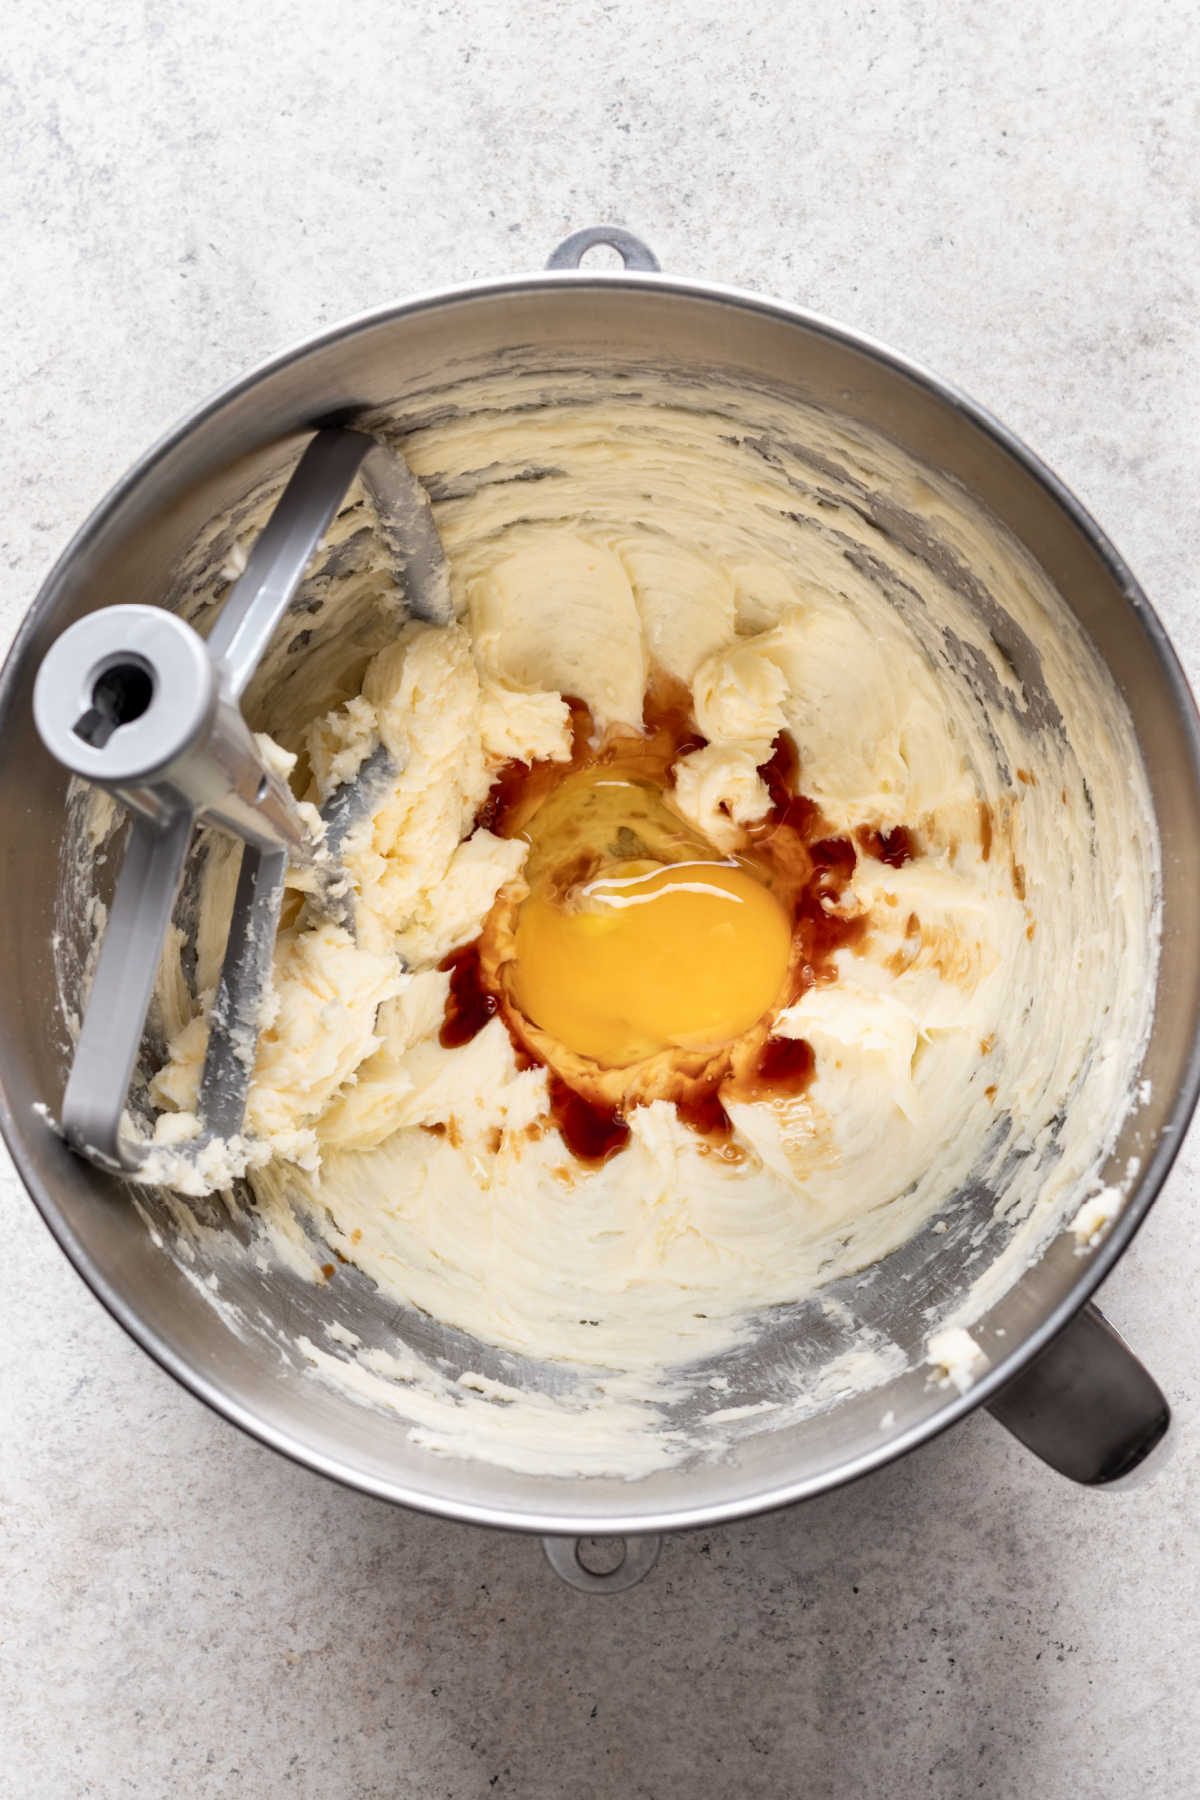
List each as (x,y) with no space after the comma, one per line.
(647,956)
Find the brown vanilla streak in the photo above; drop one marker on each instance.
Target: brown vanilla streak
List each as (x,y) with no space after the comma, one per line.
(469,1004)
(894,847)
(783,1066)
(705,1112)
(591,1133)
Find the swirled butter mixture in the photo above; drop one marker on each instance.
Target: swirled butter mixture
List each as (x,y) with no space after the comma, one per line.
(762,865)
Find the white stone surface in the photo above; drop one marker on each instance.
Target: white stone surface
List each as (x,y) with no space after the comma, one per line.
(1010,194)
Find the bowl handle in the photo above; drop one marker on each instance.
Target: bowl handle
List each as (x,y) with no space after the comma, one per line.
(633,253)
(635,1558)
(1085,1404)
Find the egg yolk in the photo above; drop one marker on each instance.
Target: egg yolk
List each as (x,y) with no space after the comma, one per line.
(647,956)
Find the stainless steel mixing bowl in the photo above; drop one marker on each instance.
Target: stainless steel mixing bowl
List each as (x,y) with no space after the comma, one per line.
(1063,1382)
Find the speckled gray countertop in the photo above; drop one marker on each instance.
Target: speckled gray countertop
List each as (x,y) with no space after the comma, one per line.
(1011,195)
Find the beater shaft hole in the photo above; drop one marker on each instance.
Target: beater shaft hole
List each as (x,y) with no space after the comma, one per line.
(120,694)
